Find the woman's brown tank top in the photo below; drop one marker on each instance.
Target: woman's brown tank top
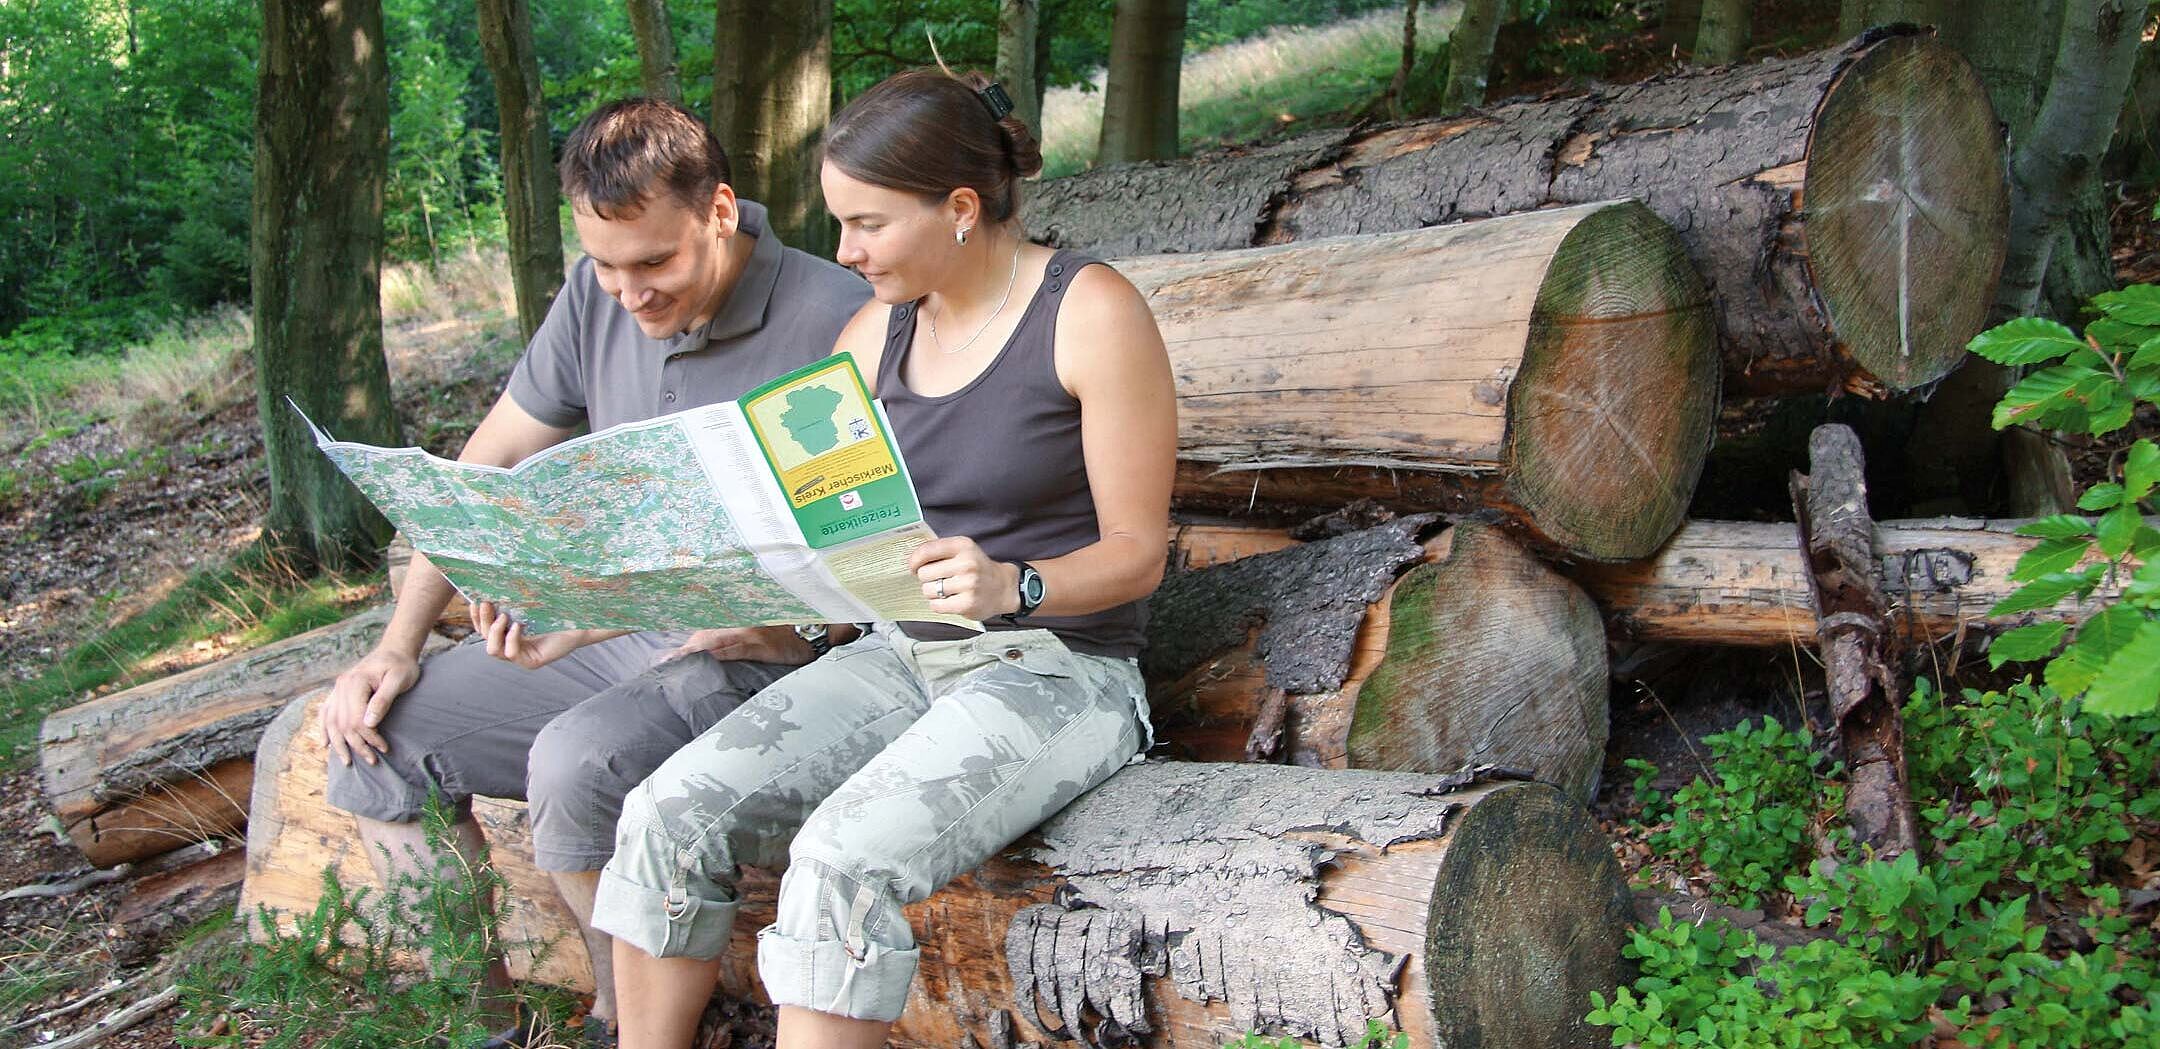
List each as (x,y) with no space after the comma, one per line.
(999,461)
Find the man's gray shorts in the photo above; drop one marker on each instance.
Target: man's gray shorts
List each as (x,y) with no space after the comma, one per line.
(572,737)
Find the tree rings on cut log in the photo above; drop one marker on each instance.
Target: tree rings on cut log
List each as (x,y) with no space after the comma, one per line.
(1558,367)
(1492,659)
(1905,212)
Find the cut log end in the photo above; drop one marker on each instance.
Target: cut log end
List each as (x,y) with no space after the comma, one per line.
(1611,413)
(1527,919)
(1907,209)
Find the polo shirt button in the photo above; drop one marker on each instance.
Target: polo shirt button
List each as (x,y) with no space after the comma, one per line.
(1057,268)
(1012,653)
(1053,286)
(668,397)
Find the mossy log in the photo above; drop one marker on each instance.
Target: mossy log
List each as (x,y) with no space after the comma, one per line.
(1848,207)
(1180,903)
(167,763)
(1555,367)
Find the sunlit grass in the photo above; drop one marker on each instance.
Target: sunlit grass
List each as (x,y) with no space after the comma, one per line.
(1279,81)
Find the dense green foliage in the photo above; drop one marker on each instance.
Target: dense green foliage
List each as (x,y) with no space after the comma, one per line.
(1753,821)
(2010,927)
(2092,385)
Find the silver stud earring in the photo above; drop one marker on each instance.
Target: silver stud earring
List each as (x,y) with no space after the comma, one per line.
(960,235)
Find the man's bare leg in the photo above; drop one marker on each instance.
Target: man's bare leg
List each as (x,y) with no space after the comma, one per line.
(802,1028)
(403,849)
(578,888)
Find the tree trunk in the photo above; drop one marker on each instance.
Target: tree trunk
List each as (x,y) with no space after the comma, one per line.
(1554,366)
(530,190)
(322,148)
(658,74)
(2060,160)
(1433,906)
(1679,23)
(1857,15)
(1470,48)
(1861,291)
(2135,153)
(1017,21)
(1725,30)
(152,768)
(1852,633)
(1140,90)
(772,92)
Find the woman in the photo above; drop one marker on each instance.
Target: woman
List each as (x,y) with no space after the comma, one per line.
(1031,395)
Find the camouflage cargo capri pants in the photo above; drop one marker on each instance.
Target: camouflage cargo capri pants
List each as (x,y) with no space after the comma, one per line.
(875,775)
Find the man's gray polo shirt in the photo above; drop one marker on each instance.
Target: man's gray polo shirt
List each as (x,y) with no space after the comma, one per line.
(590,365)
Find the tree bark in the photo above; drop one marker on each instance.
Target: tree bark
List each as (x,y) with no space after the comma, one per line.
(658,73)
(1470,48)
(1724,32)
(772,92)
(1555,366)
(1185,903)
(1017,27)
(1852,632)
(530,192)
(2096,50)
(322,148)
(1140,89)
(152,768)
(2135,153)
(1863,290)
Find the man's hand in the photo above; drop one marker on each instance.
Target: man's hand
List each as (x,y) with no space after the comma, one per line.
(761,644)
(360,699)
(506,638)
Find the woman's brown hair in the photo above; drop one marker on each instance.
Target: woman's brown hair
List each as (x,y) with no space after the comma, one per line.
(930,132)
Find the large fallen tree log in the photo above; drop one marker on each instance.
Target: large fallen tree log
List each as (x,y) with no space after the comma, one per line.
(1179,905)
(1555,367)
(167,763)
(1847,207)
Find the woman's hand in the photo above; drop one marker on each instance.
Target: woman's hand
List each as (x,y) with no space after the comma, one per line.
(507,640)
(959,579)
(762,644)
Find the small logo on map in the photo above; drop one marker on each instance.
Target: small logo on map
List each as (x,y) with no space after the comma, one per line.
(859,429)
(850,500)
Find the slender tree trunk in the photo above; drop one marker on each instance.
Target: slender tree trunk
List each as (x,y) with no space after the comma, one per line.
(772,92)
(659,75)
(2135,154)
(1724,32)
(1017,30)
(530,189)
(322,155)
(2060,160)
(1140,93)
(1680,22)
(1470,48)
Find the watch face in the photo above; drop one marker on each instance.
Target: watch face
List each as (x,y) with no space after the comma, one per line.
(1031,586)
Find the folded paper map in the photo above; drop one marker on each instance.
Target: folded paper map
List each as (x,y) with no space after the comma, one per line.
(790,505)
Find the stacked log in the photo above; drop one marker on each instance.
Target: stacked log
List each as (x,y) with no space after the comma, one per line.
(170,762)
(1180,904)
(1554,367)
(1847,207)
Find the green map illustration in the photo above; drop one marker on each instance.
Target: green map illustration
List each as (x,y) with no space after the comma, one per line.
(620,532)
(809,418)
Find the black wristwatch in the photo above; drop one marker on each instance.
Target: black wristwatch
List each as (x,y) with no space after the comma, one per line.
(1031,590)
(820,639)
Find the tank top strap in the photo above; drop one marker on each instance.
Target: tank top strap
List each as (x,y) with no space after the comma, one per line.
(899,335)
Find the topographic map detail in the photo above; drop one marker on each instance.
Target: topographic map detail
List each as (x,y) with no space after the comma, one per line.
(620,532)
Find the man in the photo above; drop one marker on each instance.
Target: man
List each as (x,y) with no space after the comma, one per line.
(684,297)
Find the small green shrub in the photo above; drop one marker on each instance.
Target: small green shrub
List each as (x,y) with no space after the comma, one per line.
(1751,821)
(1377,1036)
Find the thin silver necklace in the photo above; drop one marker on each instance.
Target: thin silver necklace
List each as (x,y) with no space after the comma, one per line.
(1002,300)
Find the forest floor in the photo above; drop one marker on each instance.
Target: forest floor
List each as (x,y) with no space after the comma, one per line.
(106,511)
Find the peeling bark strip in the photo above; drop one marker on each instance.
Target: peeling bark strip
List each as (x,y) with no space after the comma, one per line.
(1839,540)
(1307,603)
(1847,207)
(152,768)
(1556,367)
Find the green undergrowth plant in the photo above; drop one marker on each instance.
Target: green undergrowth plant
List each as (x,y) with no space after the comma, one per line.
(2009,927)
(1376,1036)
(369,969)
(2092,384)
(1753,819)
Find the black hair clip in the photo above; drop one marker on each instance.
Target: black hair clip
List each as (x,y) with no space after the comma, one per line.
(994,96)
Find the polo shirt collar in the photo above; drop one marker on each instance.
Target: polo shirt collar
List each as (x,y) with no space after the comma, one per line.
(744,310)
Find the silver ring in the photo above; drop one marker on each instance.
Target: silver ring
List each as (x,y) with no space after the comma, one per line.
(941,589)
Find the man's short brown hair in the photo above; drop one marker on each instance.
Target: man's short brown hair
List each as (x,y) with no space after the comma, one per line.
(629,151)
